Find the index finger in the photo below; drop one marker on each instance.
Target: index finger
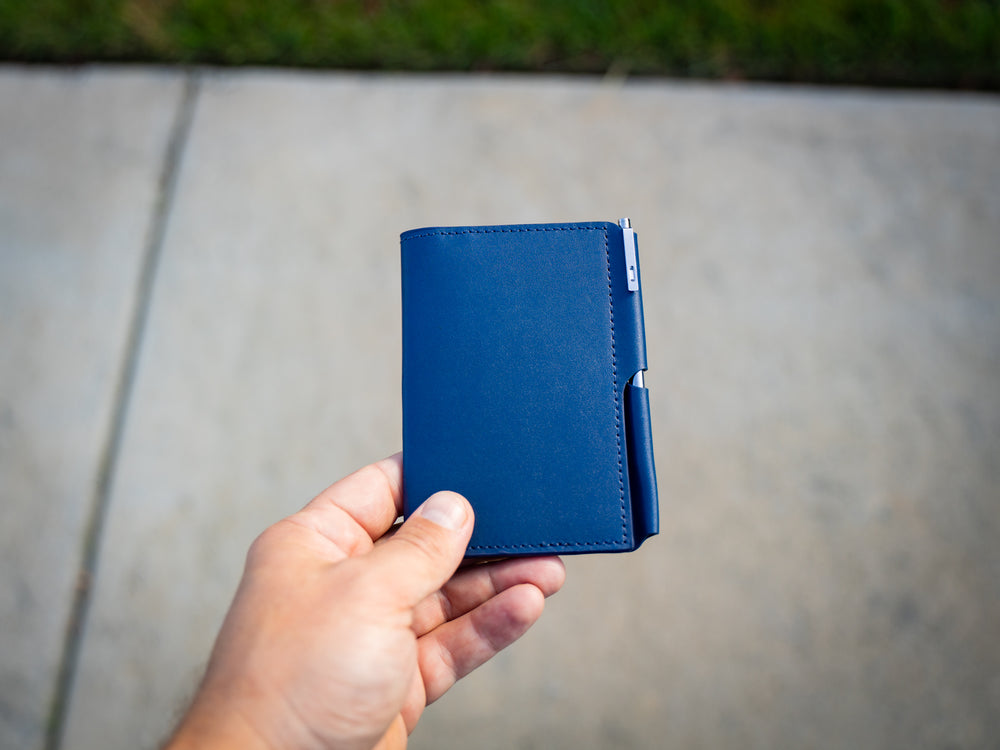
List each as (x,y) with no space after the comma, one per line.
(361,507)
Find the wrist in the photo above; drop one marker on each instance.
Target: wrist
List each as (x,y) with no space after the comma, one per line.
(215,727)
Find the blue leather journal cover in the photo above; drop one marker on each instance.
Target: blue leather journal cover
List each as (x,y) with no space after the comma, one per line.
(520,346)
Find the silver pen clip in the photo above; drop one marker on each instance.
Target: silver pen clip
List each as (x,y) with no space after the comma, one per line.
(631,269)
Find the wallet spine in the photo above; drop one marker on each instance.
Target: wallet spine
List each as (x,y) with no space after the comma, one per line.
(630,355)
(641,469)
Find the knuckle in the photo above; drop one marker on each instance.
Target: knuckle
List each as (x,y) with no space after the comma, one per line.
(261,546)
(429,548)
(429,545)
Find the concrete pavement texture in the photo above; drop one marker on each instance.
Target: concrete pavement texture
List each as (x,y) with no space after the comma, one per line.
(199,320)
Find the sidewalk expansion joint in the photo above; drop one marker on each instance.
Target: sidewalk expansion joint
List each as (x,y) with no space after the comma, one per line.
(153,246)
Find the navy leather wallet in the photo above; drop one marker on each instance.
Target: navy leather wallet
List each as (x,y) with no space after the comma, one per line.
(523,353)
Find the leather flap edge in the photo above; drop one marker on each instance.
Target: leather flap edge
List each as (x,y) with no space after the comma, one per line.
(641,468)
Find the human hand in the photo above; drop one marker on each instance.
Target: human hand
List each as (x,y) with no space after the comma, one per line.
(340,634)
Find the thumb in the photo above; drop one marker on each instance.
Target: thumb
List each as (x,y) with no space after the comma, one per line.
(426,550)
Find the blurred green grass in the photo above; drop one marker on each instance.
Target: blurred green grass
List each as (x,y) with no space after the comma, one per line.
(939,43)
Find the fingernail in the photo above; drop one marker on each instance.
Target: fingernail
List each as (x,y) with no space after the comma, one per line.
(445,509)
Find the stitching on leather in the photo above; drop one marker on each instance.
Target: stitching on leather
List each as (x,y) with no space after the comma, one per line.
(501,230)
(614,373)
(539,545)
(614,378)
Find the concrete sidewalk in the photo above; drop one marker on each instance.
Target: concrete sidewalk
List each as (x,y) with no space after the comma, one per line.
(199,327)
